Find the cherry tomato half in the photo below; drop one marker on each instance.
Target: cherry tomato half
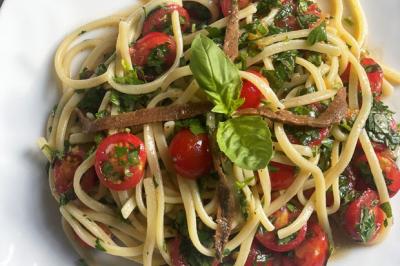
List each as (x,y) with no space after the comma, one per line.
(270,240)
(176,257)
(281,175)
(374,73)
(226,6)
(160,19)
(120,161)
(190,154)
(259,256)
(144,47)
(314,251)
(64,171)
(375,76)
(363,217)
(250,93)
(389,168)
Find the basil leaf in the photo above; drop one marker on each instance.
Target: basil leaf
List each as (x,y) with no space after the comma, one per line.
(216,75)
(318,34)
(246,141)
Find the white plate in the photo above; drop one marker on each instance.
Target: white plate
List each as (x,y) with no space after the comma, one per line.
(30,31)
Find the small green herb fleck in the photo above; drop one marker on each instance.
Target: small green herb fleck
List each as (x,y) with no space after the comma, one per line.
(387,209)
(367,227)
(98,245)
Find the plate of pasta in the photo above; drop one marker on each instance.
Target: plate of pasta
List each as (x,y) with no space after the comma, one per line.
(202,133)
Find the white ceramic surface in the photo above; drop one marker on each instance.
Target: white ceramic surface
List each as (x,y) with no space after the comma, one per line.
(29,32)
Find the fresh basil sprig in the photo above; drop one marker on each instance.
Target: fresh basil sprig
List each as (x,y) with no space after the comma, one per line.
(216,75)
(246,141)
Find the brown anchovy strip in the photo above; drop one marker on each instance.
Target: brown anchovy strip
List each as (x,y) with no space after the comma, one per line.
(144,116)
(335,112)
(231,42)
(226,202)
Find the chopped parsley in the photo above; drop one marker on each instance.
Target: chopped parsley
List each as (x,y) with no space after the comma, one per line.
(216,34)
(98,245)
(194,124)
(187,250)
(157,57)
(367,226)
(241,184)
(346,190)
(92,100)
(380,127)
(128,102)
(265,6)
(67,197)
(318,34)
(349,21)
(325,154)
(284,65)
(387,209)
(287,239)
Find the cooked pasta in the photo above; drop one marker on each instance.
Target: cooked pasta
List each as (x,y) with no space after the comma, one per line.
(164,150)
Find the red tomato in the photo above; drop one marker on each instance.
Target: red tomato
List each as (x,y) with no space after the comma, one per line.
(289,21)
(375,75)
(251,95)
(259,256)
(270,240)
(190,154)
(144,46)
(389,168)
(227,4)
(176,257)
(314,251)
(64,171)
(281,175)
(120,161)
(160,19)
(363,217)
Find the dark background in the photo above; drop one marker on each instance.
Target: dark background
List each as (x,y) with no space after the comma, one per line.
(1,1)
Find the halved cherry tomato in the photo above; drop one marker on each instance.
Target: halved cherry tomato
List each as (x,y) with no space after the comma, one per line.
(144,46)
(226,6)
(314,251)
(190,154)
(281,175)
(363,217)
(374,73)
(64,171)
(120,161)
(259,256)
(375,76)
(174,249)
(160,19)
(251,95)
(271,241)
(389,168)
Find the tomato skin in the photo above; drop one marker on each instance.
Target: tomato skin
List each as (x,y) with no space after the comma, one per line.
(176,257)
(314,251)
(144,46)
(191,154)
(64,171)
(270,239)
(259,256)
(227,4)
(375,77)
(250,93)
(352,215)
(158,19)
(107,147)
(389,168)
(282,175)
